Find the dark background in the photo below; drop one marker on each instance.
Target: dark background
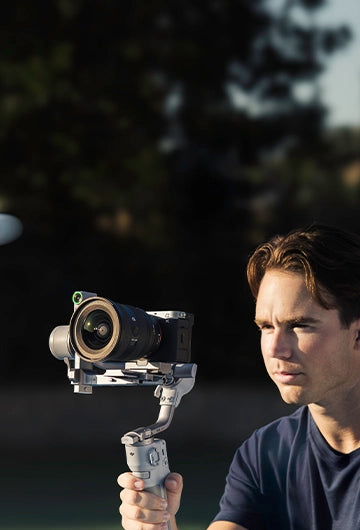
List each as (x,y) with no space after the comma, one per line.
(137,176)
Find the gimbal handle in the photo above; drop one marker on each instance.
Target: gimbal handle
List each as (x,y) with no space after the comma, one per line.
(148,460)
(146,456)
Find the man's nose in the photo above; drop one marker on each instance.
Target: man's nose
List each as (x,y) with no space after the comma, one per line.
(278,345)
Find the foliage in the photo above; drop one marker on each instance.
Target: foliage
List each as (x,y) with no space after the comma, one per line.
(132,137)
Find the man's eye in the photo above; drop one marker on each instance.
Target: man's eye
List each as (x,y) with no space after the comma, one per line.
(300,325)
(265,327)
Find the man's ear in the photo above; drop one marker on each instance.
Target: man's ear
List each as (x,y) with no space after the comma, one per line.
(356,325)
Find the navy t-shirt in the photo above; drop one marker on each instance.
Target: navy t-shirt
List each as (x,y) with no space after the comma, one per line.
(286,476)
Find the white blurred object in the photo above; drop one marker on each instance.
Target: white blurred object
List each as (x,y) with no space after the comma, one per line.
(10,228)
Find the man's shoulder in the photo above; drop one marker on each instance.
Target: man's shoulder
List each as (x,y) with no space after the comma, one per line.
(272,444)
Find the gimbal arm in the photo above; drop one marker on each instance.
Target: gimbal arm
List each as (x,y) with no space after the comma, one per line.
(170,397)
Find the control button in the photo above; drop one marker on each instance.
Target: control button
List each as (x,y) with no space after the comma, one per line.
(142,474)
(154,457)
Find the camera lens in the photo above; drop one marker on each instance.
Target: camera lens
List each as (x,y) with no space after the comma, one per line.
(97,329)
(102,330)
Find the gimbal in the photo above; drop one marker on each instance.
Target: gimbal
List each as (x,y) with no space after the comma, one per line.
(110,344)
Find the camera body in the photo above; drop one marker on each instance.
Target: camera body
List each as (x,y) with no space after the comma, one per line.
(107,343)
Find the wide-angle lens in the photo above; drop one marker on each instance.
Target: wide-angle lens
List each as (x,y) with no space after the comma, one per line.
(97,329)
(102,330)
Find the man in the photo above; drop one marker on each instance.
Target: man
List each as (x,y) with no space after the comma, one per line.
(300,472)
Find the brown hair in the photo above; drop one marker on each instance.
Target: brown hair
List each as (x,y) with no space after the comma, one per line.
(329,259)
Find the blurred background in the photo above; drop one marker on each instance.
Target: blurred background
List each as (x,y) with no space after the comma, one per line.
(147,148)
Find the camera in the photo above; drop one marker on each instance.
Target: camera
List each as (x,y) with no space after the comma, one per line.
(118,341)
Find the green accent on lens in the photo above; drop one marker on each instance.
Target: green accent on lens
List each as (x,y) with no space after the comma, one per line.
(77,297)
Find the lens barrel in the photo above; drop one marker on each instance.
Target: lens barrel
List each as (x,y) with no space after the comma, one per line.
(104,330)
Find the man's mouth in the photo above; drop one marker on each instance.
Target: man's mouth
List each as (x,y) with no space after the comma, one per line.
(287,377)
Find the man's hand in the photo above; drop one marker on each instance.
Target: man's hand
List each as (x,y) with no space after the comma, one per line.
(139,506)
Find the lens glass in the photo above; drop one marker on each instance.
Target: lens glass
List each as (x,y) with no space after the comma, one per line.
(97,329)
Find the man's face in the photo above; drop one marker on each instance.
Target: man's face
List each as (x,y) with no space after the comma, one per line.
(307,352)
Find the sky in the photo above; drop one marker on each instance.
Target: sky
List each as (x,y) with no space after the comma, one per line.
(341,81)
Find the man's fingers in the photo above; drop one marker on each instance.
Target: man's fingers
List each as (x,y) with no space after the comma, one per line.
(131,524)
(147,510)
(127,480)
(174,483)
(143,499)
(137,513)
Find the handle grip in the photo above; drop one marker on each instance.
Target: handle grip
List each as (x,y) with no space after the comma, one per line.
(158,490)
(148,460)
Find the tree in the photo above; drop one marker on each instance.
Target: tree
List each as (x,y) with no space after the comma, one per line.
(128,129)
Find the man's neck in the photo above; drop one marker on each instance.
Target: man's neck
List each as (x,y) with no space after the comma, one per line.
(340,426)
